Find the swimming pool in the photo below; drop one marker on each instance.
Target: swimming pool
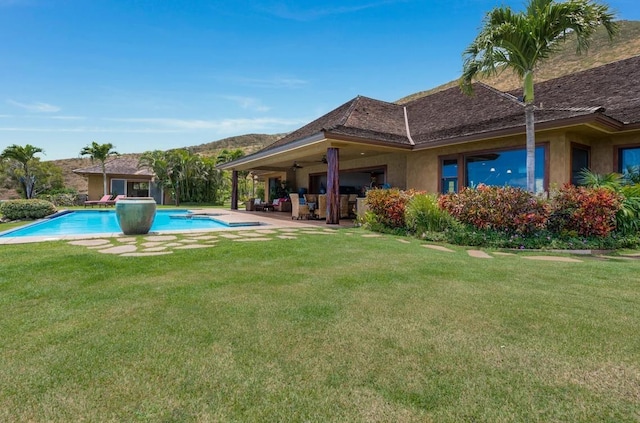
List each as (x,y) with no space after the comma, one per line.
(86,222)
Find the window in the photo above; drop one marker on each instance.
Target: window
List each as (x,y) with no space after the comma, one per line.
(579,161)
(449,176)
(508,167)
(497,168)
(628,159)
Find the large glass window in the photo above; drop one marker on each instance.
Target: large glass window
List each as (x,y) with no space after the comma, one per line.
(629,159)
(579,161)
(501,168)
(449,176)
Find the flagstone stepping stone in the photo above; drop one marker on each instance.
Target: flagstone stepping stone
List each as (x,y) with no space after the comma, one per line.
(404,241)
(162,248)
(252,239)
(318,233)
(265,231)
(252,234)
(90,242)
(161,237)
(230,236)
(174,244)
(288,230)
(120,249)
(553,258)
(478,254)
(213,241)
(126,240)
(146,254)
(189,241)
(348,233)
(371,235)
(152,244)
(194,246)
(500,253)
(100,247)
(204,237)
(438,248)
(286,237)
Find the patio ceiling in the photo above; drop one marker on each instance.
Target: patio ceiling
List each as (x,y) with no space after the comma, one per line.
(308,152)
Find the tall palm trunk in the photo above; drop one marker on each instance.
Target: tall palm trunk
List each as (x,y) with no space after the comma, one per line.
(530,131)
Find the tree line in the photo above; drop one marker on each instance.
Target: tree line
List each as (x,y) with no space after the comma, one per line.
(187,176)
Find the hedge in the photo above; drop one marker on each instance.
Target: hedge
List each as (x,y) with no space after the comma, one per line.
(26,209)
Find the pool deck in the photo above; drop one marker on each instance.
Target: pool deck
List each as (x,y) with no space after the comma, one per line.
(236,220)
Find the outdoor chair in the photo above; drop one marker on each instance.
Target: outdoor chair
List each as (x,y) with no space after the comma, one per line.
(114,201)
(298,210)
(99,202)
(321,210)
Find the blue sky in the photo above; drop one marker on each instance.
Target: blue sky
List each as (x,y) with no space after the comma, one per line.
(155,74)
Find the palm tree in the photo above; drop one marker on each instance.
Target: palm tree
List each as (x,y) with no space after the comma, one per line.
(100,152)
(24,155)
(520,41)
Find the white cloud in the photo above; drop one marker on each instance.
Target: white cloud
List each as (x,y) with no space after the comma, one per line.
(283,11)
(224,125)
(249,103)
(35,107)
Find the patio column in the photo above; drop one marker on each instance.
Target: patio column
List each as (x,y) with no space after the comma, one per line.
(234,190)
(333,186)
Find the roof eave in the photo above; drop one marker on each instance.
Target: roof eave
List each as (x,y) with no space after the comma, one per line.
(263,154)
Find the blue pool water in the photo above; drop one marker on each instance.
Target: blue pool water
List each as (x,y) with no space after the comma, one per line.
(104,221)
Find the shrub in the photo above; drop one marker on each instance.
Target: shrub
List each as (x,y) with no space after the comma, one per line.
(628,217)
(584,211)
(26,209)
(61,199)
(506,209)
(388,206)
(423,214)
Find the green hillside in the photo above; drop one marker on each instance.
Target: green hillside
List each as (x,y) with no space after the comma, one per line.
(566,61)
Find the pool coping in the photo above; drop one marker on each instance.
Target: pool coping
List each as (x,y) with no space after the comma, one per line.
(236,221)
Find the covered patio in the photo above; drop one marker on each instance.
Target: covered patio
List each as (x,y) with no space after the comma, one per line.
(346,152)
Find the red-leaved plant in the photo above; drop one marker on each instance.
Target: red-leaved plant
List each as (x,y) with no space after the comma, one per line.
(506,209)
(388,205)
(585,211)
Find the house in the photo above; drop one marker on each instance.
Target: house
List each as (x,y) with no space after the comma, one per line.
(123,177)
(447,140)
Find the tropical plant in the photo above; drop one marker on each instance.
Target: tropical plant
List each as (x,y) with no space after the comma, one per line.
(188,176)
(25,156)
(226,156)
(502,209)
(100,152)
(423,214)
(584,211)
(597,180)
(520,41)
(628,217)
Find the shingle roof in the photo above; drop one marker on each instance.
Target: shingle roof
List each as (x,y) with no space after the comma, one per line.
(116,166)
(611,90)
(360,117)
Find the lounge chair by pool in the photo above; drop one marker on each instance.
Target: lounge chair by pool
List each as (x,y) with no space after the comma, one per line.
(99,202)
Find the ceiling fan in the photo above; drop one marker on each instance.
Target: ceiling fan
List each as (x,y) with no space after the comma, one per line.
(296,166)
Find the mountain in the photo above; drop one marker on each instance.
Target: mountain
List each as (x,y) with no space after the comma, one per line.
(566,61)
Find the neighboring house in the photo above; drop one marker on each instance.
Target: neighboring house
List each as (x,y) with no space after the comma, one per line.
(447,140)
(123,177)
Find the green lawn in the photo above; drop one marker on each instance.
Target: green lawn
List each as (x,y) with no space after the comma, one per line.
(320,328)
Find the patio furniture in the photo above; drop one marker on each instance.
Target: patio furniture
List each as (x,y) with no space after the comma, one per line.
(101,201)
(114,201)
(321,210)
(298,210)
(282,204)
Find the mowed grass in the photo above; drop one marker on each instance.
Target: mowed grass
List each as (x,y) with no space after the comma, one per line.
(320,328)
